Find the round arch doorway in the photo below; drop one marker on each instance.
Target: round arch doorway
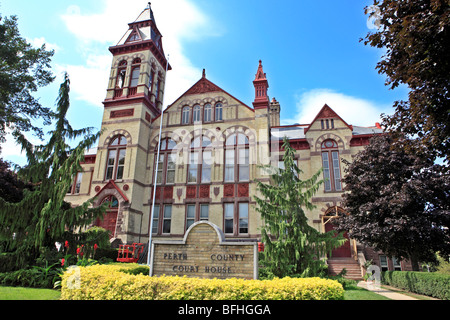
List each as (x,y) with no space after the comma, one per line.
(109,221)
(332,213)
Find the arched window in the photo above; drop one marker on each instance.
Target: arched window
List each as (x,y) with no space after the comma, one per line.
(135,72)
(116,158)
(237,165)
(121,71)
(167,161)
(331,166)
(158,89)
(218,112)
(196,116)
(199,166)
(207,113)
(185,115)
(151,79)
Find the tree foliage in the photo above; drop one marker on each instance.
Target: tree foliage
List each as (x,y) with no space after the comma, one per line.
(43,214)
(397,201)
(415,35)
(23,69)
(292,246)
(11,187)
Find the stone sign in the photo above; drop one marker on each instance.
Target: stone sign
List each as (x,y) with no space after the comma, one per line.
(204,253)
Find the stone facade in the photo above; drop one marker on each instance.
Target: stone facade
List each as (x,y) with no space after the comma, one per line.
(211,147)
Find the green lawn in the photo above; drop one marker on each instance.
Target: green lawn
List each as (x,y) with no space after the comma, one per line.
(19,293)
(356,293)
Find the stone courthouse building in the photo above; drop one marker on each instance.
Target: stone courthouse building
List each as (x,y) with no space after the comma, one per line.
(211,147)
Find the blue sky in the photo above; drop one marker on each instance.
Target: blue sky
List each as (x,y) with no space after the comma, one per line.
(310,51)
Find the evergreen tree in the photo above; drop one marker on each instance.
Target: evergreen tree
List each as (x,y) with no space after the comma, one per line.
(292,246)
(42,216)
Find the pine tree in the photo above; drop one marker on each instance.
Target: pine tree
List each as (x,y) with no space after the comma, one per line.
(43,216)
(292,246)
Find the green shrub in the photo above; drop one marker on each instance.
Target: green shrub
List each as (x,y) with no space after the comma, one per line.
(427,283)
(145,270)
(109,282)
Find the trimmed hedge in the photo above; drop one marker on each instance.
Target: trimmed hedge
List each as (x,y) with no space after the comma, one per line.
(432,284)
(108,282)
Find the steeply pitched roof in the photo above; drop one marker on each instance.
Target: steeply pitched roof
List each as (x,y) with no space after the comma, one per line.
(203,86)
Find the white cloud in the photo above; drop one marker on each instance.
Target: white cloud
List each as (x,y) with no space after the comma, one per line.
(11,151)
(38,42)
(177,20)
(353,110)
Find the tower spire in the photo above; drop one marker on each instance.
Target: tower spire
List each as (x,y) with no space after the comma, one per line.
(261,85)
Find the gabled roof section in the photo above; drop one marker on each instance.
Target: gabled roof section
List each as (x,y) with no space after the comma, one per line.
(204,86)
(327,112)
(112,185)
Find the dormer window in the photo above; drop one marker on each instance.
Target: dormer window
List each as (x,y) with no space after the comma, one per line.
(134,37)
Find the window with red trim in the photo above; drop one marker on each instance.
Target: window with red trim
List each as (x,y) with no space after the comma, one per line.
(115,162)
(331,166)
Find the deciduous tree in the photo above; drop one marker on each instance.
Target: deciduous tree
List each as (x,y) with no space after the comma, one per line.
(415,35)
(397,201)
(23,69)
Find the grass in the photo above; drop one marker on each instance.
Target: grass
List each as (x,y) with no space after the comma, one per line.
(357,293)
(19,293)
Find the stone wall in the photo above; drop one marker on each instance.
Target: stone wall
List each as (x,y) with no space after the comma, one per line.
(204,253)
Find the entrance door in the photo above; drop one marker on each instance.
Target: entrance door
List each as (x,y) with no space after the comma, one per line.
(344,250)
(110,218)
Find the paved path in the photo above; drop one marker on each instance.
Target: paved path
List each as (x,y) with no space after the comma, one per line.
(384,292)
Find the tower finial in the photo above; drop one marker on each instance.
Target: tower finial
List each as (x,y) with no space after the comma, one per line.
(204,73)
(149,5)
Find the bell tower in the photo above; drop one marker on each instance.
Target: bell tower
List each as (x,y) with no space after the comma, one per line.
(133,100)
(139,66)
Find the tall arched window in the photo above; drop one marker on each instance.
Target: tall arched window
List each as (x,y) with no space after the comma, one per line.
(185,115)
(196,116)
(135,72)
(331,166)
(166,164)
(116,158)
(151,80)
(237,164)
(121,71)
(218,112)
(207,113)
(199,168)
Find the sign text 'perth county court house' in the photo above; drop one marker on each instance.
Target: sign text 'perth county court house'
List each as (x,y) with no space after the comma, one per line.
(204,253)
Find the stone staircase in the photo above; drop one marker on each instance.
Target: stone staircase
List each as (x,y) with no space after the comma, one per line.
(336,265)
